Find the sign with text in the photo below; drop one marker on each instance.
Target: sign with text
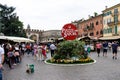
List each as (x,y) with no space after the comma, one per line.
(69,32)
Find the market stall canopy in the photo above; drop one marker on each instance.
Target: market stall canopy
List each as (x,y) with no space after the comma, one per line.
(90,37)
(46,41)
(109,38)
(3,37)
(16,39)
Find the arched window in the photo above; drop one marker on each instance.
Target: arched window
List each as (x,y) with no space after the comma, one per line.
(101,32)
(97,33)
(97,23)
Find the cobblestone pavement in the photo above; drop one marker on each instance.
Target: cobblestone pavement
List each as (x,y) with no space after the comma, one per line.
(104,69)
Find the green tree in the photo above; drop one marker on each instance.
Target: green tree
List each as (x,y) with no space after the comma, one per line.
(68,49)
(12,26)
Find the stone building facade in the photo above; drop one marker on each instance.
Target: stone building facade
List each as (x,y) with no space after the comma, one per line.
(91,27)
(41,36)
(111,21)
(34,34)
(50,36)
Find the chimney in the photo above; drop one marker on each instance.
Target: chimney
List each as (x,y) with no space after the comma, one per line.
(95,14)
(89,16)
(105,7)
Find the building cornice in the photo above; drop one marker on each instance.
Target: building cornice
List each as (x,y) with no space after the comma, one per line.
(107,9)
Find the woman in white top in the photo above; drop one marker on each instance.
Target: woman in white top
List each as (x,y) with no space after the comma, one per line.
(39,52)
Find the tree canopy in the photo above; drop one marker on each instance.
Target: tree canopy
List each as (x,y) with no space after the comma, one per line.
(10,23)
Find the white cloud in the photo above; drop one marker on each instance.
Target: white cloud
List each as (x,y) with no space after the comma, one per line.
(53,14)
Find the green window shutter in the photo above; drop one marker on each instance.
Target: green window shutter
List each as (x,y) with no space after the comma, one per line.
(116,29)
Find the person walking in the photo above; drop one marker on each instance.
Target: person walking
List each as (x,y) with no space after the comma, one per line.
(114,49)
(35,48)
(1,60)
(105,48)
(109,45)
(28,48)
(17,55)
(39,52)
(52,49)
(44,47)
(85,49)
(88,49)
(10,57)
(98,47)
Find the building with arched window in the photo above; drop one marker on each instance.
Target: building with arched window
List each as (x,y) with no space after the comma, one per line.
(91,27)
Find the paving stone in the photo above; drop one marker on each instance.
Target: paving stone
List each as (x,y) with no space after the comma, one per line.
(105,68)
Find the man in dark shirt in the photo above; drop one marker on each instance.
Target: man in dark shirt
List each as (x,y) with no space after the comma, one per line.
(114,49)
(105,47)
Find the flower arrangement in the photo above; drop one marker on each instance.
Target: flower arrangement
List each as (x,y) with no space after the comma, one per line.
(70,61)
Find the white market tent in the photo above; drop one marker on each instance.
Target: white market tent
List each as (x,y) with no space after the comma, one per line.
(91,37)
(3,37)
(16,39)
(110,38)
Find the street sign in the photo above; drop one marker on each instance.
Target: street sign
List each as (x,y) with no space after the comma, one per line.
(69,32)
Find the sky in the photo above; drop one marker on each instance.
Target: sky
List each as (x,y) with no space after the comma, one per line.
(54,14)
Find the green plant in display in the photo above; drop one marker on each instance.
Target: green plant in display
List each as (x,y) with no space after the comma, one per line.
(70,52)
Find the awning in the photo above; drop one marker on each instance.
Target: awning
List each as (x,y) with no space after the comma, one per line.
(20,39)
(46,41)
(3,37)
(60,38)
(16,39)
(109,38)
(90,37)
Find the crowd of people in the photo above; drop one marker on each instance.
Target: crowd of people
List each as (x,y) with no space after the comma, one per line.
(11,54)
(104,46)
(113,46)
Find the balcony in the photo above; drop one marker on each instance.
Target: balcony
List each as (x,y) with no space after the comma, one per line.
(115,34)
(85,29)
(114,14)
(110,23)
(91,28)
(113,23)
